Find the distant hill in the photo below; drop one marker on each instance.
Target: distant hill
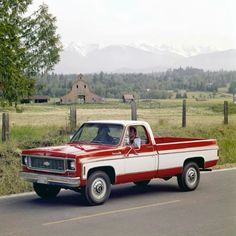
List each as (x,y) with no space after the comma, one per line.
(129,59)
(224,60)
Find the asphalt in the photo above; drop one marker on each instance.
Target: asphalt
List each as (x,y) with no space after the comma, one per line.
(160,209)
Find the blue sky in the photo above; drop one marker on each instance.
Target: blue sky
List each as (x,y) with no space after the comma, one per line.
(199,23)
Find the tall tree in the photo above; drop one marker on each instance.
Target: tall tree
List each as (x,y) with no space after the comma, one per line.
(29,45)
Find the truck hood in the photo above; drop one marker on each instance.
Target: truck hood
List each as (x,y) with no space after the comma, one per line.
(68,150)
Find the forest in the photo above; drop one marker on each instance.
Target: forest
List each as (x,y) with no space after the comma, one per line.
(144,86)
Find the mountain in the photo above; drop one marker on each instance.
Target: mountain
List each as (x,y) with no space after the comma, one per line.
(142,58)
(186,51)
(224,60)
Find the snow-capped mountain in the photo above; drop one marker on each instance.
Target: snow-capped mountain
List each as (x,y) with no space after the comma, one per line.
(77,58)
(82,49)
(186,51)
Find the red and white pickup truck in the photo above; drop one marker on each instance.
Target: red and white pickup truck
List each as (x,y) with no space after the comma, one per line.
(101,154)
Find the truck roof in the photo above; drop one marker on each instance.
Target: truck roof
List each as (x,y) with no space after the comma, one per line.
(121,122)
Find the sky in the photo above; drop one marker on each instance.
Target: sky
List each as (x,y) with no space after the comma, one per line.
(176,23)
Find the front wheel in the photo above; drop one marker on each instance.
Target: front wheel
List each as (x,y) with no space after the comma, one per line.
(97,189)
(46,191)
(190,177)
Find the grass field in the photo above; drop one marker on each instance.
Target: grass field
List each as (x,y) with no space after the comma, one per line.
(47,124)
(154,111)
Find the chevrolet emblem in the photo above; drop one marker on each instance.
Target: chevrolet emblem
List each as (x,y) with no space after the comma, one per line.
(46,164)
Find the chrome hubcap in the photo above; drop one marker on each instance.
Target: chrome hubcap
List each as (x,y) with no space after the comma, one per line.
(191,176)
(99,188)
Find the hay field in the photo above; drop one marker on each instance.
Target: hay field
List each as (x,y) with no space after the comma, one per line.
(161,113)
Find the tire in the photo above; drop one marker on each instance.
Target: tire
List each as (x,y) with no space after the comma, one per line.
(46,191)
(190,177)
(142,183)
(97,189)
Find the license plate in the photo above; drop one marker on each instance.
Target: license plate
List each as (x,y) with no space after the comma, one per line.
(42,180)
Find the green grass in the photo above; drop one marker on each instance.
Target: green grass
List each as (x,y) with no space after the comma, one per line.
(219,108)
(34,136)
(24,137)
(10,166)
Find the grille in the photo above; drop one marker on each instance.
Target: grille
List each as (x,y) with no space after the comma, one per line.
(47,164)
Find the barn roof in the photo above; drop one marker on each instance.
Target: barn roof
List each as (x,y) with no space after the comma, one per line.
(128,96)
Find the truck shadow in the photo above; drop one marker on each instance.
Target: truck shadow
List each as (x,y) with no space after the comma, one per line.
(129,191)
(132,191)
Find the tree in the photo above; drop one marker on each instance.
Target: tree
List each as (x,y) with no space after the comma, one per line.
(232,88)
(29,46)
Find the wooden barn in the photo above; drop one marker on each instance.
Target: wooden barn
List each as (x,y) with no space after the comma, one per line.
(128,98)
(80,93)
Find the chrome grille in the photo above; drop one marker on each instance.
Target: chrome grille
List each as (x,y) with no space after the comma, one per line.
(49,164)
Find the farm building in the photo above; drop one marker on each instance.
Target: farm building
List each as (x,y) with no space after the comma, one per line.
(80,93)
(128,98)
(35,99)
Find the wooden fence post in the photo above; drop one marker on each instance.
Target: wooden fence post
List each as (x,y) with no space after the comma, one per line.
(184,114)
(73,120)
(5,127)
(133,110)
(226,109)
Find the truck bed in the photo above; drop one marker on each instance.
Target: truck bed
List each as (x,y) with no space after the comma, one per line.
(168,143)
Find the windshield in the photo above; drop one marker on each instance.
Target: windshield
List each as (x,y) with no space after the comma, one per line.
(97,133)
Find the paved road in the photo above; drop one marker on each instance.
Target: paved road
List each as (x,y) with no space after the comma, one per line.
(161,209)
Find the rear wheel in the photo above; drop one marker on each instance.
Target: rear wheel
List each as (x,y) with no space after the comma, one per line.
(46,191)
(97,189)
(189,179)
(142,183)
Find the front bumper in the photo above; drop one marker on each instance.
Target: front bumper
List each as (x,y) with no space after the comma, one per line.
(70,182)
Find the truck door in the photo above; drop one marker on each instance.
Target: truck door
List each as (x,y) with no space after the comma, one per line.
(140,162)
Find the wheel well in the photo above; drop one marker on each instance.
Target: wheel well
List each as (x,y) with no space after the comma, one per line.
(198,160)
(107,169)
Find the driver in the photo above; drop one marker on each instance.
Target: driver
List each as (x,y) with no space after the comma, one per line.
(103,136)
(133,139)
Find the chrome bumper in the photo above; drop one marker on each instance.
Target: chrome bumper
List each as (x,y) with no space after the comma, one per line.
(62,181)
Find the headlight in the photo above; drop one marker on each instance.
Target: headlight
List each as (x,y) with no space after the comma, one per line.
(24,160)
(71,164)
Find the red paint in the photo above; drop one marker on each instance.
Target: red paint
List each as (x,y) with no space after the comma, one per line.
(169,172)
(171,143)
(148,175)
(135,177)
(210,163)
(83,182)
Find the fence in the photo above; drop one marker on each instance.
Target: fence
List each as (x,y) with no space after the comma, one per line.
(134,116)
(5,127)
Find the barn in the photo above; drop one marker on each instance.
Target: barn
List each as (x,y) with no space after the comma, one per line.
(80,93)
(128,98)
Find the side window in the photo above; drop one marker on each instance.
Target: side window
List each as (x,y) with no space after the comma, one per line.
(142,134)
(136,131)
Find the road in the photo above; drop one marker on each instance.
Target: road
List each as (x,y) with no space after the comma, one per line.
(160,209)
